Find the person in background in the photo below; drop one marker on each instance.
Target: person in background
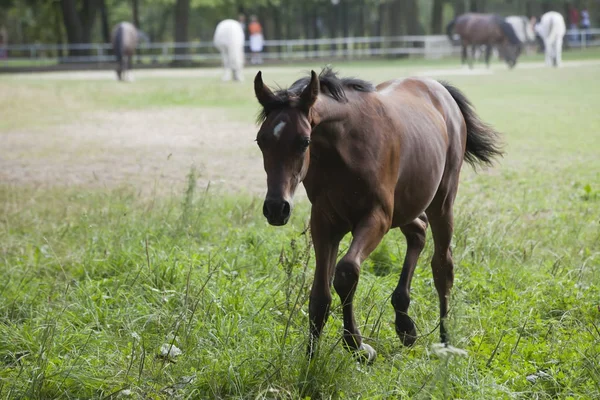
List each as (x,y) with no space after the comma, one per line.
(573,22)
(256,40)
(585,23)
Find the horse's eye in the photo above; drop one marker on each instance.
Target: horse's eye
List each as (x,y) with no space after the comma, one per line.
(304,143)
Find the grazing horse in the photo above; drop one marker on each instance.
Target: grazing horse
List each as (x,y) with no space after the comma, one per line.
(489,30)
(522,28)
(229,40)
(551,29)
(124,42)
(371,159)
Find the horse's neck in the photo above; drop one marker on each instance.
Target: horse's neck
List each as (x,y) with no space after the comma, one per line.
(327,110)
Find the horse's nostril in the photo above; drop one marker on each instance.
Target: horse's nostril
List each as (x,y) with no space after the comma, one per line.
(266,212)
(285,210)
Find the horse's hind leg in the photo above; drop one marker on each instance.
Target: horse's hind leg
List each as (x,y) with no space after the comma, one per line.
(226,64)
(366,237)
(129,68)
(488,54)
(464,54)
(415,241)
(558,52)
(473,55)
(441,221)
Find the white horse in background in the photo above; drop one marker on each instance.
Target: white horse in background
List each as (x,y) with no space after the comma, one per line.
(552,29)
(229,39)
(522,28)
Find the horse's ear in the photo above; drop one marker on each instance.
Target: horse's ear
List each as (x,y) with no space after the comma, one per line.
(310,93)
(262,92)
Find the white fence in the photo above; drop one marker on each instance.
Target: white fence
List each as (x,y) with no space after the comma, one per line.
(433,46)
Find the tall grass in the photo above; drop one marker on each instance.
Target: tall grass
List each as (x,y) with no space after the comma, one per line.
(96,282)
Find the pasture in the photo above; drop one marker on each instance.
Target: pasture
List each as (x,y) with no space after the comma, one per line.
(131,219)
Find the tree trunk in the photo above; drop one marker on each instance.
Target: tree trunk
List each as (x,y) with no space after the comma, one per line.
(306,24)
(437,17)
(182,11)
(136,13)
(88,18)
(104,19)
(345,27)
(473,6)
(72,23)
(411,15)
(79,25)
(362,10)
(459,7)
(333,25)
(276,17)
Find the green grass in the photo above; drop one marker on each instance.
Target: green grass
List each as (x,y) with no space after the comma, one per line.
(96,281)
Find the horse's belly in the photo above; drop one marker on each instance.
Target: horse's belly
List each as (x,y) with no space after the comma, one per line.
(420,173)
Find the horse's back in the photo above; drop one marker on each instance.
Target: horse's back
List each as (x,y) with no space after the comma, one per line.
(126,34)
(432,134)
(429,94)
(228,33)
(477,28)
(553,24)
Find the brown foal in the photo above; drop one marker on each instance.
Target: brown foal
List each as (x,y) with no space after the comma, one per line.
(371,159)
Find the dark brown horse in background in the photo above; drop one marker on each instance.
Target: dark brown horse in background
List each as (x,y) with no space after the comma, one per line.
(124,42)
(487,30)
(371,159)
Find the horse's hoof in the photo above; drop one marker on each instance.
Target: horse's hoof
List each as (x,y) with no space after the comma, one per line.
(365,354)
(406,330)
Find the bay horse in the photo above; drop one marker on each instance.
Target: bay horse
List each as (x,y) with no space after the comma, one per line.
(124,42)
(371,158)
(485,30)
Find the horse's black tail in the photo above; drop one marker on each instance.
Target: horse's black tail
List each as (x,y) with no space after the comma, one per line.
(119,43)
(482,140)
(449,29)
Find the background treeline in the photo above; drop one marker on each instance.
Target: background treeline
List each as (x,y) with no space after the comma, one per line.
(85,21)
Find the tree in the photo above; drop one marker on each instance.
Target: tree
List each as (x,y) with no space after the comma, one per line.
(136,13)
(182,11)
(437,17)
(79,22)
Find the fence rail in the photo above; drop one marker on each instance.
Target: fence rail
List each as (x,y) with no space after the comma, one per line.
(432,46)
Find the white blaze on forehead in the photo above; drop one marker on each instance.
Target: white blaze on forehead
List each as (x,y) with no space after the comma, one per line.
(278,128)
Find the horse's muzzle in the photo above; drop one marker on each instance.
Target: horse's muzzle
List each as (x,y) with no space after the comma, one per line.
(277,211)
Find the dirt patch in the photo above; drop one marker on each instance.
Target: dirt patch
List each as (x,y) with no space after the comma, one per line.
(149,149)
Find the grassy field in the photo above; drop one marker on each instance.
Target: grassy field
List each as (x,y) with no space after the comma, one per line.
(97,279)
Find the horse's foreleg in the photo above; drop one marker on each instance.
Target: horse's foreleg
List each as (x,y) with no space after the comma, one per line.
(326,244)
(366,236)
(415,241)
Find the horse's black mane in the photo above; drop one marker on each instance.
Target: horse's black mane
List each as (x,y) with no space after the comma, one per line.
(331,85)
